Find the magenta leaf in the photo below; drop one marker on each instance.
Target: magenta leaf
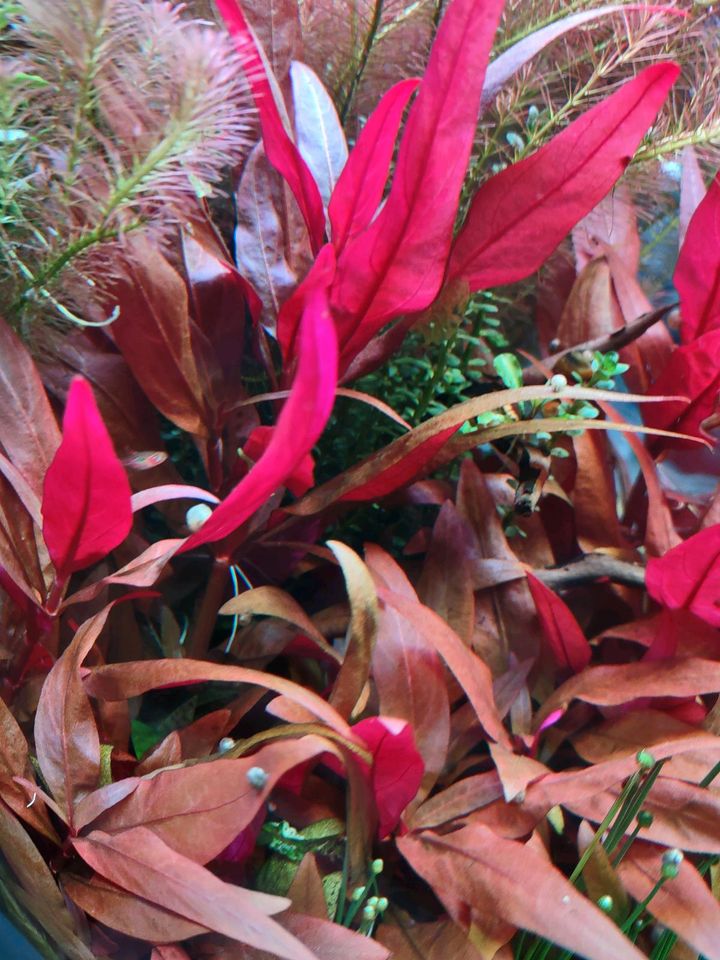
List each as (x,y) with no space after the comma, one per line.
(299,425)
(697,275)
(519,216)
(397,264)
(693,370)
(361,184)
(321,274)
(397,769)
(279,148)
(301,479)
(86,496)
(688,576)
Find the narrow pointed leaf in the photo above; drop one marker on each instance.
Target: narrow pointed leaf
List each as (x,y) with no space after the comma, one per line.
(408,674)
(141,863)
(561,630)
(360,187)
(121,681)
(363,630)
(300,424)
(66,736)
(86,496)
(320,137)
(519,216)
(470,671)
(279,148)
(504,67)
(686,904)
(124,911)
(610,686)
(199,810)
(401,460)
(397,264)
(29,434)
(482,878)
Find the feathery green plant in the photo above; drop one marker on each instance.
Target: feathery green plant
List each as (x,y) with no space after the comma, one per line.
(115,117)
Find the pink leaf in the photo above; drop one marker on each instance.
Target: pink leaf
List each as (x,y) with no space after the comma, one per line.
(519,216)
(301,422)
(397,769)
(397,264)
(279,148)
(692,191)
(505,66)
(359,190)
(688,576)
(86,496)
(170,491)
(697,275)
(561,630)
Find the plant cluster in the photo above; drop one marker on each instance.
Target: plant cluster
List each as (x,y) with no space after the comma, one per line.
(227,734)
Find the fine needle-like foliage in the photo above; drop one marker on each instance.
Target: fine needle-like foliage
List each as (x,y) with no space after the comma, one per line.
(117,115)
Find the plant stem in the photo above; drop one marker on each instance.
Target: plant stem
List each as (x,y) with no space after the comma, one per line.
(207,615)
(363,59)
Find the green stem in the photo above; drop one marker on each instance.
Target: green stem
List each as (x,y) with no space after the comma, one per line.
(437,376)
(609,817)
(708,779)
(363,59)
(124,189)
(641,907)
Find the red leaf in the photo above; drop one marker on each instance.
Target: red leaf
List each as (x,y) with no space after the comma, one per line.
(519,216)
(66,736)
(560,628)
(697,274)
(686,904)
(120,681)
(483,879)
(409,675)
(402,471)
(167,352)
(329,941)
(695,369)
(279,148)
(688,576)
(29,435)
(199,810)
(299,425)
(397,769)
(123,911)
(86,496)
(360,187)
(219,297)
(141,863)
(471,672)
(397,264)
